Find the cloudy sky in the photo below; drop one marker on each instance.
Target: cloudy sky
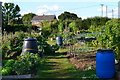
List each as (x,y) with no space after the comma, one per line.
(83,8)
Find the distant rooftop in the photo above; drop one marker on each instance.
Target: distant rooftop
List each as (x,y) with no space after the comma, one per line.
(44,17)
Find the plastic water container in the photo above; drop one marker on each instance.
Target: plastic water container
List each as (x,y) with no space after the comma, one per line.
(105,63)
(59,40)
(29,45)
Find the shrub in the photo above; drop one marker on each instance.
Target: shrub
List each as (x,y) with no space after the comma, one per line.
(109,36)
(12,45)
(7,68)
(19,27)
(48,49)
(6,71)
(25,64)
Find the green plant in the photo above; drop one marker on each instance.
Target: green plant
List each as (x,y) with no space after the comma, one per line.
(9,63)
(12,43)
(55,47)
(72,41)
(73,27)
(27,63)
(6,71)
(7,68)
(13,48)
(60,28)
(90,67)
(48,49)
(108,36)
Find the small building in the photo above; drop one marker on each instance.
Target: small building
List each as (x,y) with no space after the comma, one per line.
(38,19)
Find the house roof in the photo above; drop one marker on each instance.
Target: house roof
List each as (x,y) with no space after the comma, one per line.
(44,17)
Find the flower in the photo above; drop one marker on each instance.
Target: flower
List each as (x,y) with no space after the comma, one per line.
(16,41)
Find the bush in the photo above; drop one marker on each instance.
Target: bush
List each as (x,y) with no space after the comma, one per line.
(25,64)
(7,68)
(6,71)
(12,45)
(108,36)
(48,49)
(19,27)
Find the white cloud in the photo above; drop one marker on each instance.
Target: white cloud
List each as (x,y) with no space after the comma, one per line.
(45,9)
(41,11)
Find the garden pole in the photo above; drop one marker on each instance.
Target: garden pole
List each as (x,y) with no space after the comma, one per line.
(74,51)
(1,37)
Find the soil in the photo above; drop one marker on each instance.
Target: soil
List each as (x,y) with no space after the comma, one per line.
(83,61)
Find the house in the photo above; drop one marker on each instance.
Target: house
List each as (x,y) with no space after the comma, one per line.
(38,19)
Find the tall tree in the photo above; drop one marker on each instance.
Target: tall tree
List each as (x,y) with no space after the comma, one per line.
(10,13)
(26,19)
(68,15)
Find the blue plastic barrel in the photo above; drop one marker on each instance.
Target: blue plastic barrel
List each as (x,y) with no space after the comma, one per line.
(105,63)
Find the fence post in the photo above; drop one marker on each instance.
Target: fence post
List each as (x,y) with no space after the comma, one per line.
(74,52)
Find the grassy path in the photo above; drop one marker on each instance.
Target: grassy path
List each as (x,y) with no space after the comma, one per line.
(58,66)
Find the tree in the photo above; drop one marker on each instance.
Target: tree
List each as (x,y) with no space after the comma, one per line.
(68,15)
(54,26)
(60,28)
(10,13)
(86,23)
(26,19)
(96,21)
(79,24)
(46,27)
(72,26)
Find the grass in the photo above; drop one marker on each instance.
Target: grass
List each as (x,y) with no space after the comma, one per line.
(0,69)
(58,66)
(53,42)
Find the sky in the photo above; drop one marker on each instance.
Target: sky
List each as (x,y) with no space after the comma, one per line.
(83,8)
